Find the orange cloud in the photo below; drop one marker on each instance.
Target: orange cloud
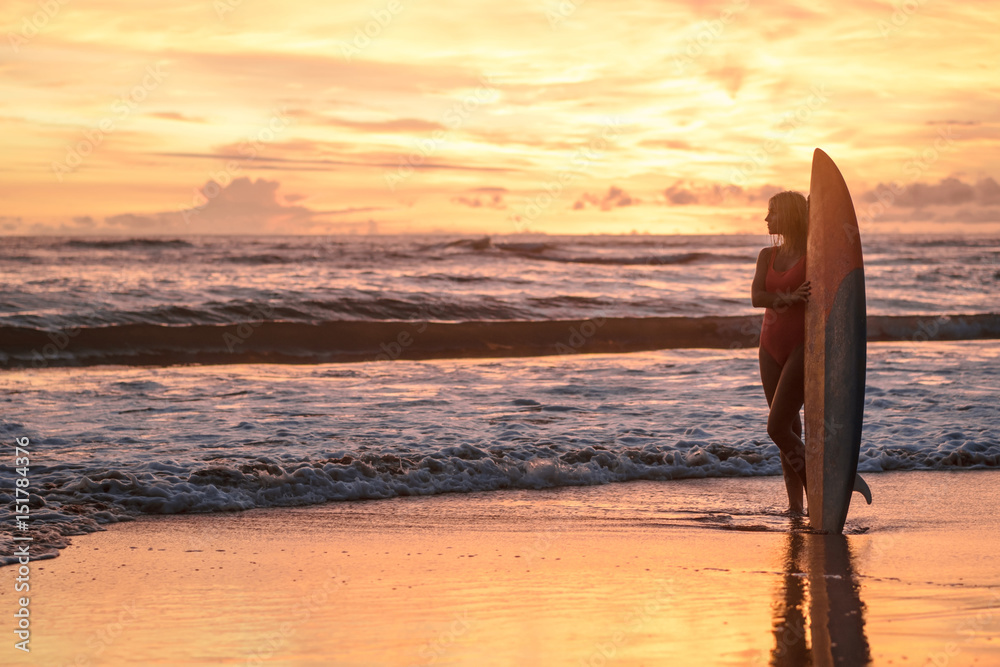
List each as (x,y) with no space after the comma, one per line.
(948,191)
(176,115)
(615,197)
(243,206)
(683,194)
(493,198)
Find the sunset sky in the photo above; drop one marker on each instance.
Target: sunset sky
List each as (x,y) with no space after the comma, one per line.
(399,116)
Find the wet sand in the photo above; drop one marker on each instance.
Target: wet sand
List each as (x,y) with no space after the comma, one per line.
(641,573)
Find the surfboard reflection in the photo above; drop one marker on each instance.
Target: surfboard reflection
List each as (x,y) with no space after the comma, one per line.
(818,616)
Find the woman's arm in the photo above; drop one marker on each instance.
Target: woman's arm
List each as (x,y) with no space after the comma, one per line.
(761,298)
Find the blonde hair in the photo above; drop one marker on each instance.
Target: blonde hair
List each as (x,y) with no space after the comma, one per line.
(792,210)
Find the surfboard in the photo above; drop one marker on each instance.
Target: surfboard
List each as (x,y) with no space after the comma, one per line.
(835,347)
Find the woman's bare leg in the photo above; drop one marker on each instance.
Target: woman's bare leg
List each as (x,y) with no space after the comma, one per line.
(770,373)
(785,406)
(793,485)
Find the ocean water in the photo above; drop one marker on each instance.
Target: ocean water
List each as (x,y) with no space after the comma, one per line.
(57,283)
(73,302)
(110,441)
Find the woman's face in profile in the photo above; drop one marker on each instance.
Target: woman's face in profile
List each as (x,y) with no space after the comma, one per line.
(772,219)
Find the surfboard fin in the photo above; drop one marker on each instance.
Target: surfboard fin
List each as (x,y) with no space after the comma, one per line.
(861,486)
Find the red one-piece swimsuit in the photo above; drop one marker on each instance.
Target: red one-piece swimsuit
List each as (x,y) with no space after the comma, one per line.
(784,327)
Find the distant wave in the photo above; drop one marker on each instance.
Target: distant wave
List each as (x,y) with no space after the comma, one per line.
(549,251)
(374,308)
(654,260)
(268,341)
(128,243)
(527,248)
(266,259)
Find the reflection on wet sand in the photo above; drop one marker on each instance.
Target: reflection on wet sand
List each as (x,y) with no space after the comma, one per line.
(827,588)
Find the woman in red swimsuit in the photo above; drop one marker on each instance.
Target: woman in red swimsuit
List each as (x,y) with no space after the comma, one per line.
(780,286)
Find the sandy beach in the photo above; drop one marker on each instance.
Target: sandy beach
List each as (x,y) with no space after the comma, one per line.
(638,573)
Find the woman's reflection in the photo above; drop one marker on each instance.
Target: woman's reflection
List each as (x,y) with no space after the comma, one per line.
(836,615)
(788,608)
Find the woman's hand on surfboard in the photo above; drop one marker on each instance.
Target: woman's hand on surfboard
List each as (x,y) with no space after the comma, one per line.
(801,293)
